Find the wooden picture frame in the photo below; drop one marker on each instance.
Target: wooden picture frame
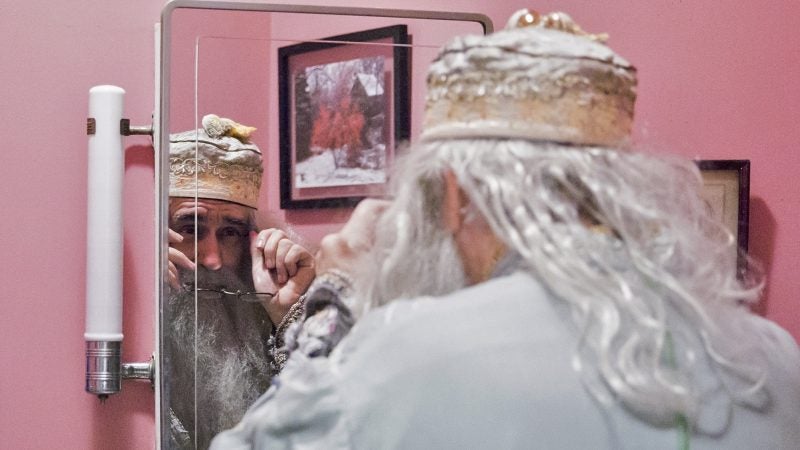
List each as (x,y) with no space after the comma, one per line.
(726,189)
(344,106)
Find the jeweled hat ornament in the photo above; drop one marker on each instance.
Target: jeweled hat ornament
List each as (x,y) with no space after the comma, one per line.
(217,162)
(540,78)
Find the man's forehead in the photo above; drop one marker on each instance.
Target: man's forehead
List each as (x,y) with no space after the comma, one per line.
(180,207)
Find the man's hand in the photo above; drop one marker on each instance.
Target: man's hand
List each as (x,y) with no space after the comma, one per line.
(176,259)
(342,250)
(282,267)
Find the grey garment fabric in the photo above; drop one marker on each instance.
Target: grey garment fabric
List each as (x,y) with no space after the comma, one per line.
(489,366)
(327,320)
(328,317)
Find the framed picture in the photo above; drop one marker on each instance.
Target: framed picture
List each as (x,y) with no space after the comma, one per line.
(726,190)
(343,109)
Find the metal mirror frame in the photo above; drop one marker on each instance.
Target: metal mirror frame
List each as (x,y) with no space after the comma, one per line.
(162,114)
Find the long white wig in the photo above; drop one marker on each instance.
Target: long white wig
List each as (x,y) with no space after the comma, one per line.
(654,294)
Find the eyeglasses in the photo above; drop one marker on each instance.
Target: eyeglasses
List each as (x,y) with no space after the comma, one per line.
(219,294)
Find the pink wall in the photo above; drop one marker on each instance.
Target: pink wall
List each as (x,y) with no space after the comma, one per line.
(53,53)
(231,79)
(714,83)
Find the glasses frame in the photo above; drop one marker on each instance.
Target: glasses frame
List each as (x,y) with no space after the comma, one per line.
(241,295)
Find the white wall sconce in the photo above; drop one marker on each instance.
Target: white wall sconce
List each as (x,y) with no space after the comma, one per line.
(105,127)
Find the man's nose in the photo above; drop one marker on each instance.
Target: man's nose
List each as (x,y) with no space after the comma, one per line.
(208,253)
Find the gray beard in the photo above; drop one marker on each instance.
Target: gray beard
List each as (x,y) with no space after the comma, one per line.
(231,366)
(426,263)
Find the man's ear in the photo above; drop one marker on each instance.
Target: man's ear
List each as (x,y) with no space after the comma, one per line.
(452,203)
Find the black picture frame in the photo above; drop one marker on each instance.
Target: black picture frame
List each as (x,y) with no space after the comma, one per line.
(726,188)
(316,169)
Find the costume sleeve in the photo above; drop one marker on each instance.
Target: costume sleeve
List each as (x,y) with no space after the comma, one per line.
(328,320)
(322,320)
(276,346)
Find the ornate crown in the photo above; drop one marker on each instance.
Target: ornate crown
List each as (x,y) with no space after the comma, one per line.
(226,165)
(541,78)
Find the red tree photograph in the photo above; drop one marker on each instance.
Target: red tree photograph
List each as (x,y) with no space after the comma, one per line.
(345,105)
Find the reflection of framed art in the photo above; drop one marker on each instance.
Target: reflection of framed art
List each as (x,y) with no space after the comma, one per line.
(343,107)
(726,190)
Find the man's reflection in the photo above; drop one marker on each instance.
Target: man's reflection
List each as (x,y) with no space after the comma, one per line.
(233,290)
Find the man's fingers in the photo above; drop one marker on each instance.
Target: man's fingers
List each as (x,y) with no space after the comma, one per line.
(275,253)
(174,237)
(177,258)
(368,211)
(359,231)
(296,257)
(333,244)
(256,249)
(334,252)
(172,276)
(271,246)
(267,245)
(343,249)
(282,270)
(290,257)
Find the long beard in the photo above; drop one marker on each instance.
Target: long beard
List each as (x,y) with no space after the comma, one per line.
(216,357)
(412,257)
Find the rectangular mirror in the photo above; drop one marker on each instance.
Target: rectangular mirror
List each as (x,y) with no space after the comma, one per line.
(332,94)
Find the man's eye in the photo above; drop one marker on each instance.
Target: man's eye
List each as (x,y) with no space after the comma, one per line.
(233,232)
(189,230)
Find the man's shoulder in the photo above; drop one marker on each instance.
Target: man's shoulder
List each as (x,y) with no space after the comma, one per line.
(512,288)
(780,349)
(497,296)
(515,306)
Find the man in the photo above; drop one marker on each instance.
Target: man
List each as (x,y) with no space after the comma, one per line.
(233,290)
(534,283)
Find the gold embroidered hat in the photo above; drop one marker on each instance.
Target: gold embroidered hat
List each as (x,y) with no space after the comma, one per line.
(540,78)
(216,162)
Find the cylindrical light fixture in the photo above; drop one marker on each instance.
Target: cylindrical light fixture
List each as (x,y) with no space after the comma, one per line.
(104,242)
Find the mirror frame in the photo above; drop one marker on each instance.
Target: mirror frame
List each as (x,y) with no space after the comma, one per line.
(162,114)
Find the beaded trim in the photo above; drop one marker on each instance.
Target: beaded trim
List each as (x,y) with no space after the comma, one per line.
(334,280)
(277,342)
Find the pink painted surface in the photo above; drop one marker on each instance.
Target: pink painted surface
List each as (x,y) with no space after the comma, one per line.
(715,83)
(54,53)
(231,74)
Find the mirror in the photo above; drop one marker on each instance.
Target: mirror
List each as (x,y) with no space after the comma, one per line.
(331,92)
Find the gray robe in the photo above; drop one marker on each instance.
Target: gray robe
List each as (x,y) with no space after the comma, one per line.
(489,366)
